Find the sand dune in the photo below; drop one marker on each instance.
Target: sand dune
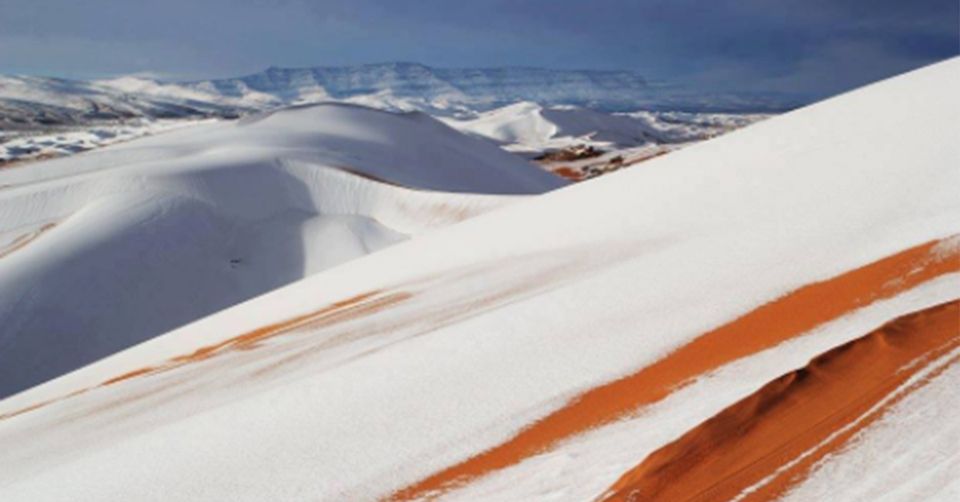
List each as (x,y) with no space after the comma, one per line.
(162,231)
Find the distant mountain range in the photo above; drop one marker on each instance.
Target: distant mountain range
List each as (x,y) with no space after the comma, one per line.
(27,102)
(438,86)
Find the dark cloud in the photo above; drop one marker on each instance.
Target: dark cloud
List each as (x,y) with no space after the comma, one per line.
(813,47)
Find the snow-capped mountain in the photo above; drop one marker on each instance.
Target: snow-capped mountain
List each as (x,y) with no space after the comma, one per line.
(438,87)
(451,89)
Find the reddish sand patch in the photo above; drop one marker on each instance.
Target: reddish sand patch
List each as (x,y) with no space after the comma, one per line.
(351,308)
(128,375)
(28,409)
(7,164)
(25,239)
(794,419)
(576,152)
(335,312)
(568,173)
(767,326)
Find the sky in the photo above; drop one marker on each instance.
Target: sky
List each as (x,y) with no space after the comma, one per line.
(809,47)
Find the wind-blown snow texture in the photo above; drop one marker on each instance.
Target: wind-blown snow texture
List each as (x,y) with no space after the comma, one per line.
(364,379)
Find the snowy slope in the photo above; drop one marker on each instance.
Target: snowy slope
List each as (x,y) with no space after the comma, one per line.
(165,230)
(494,358)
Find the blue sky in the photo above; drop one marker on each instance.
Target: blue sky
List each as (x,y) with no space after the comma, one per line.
(815,47)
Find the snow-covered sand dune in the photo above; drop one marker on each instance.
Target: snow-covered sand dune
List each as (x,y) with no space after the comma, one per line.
(531,127)
(555,348)
(102,251)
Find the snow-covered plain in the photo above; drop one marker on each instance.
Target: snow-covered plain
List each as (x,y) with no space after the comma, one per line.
(372,375)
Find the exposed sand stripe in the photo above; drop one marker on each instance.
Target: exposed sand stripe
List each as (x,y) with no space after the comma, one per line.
(350,308)
(25,239)
(763,444)
(340,311)
(789,316)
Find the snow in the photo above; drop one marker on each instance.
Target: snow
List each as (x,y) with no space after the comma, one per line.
(16,147)
(439,88)
(41,103)
(502,317)
(50,116)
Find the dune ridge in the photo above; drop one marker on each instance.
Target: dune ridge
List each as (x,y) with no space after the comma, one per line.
(760,446)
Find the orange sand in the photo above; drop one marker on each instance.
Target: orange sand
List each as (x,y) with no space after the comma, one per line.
(343,310)
(339,311)
(568,173)
(25,239)
(794,414)
(769,325)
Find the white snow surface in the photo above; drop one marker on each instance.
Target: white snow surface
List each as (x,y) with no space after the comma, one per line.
(509,315)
